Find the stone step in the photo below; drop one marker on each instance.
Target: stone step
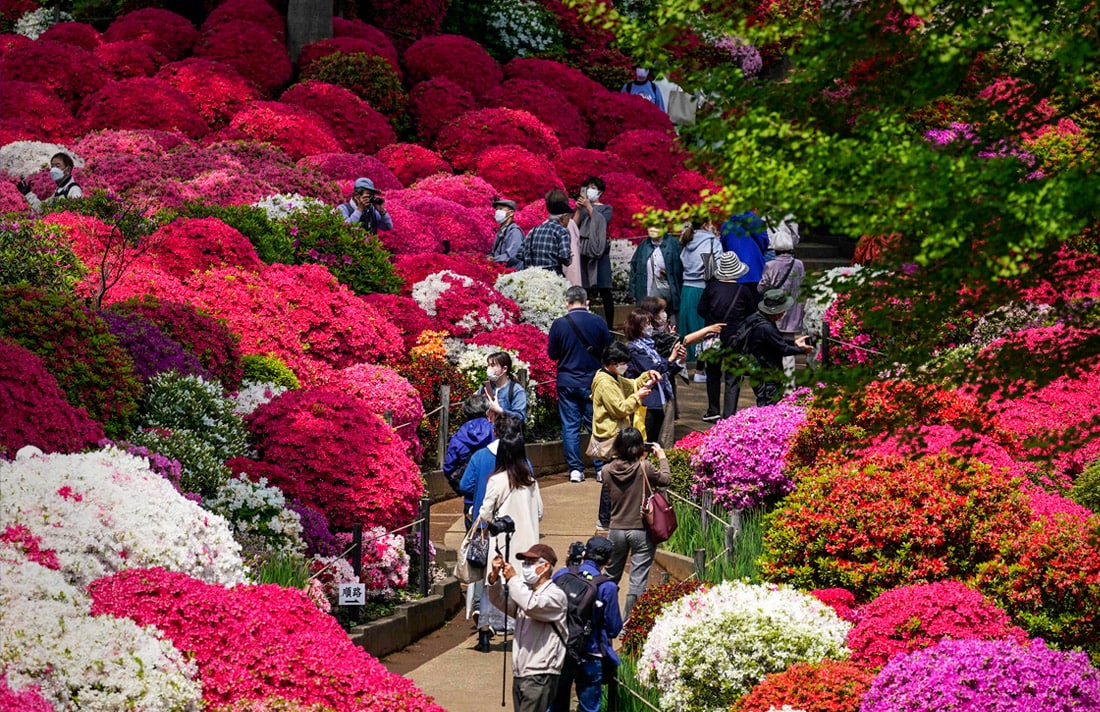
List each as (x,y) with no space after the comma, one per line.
(821,264)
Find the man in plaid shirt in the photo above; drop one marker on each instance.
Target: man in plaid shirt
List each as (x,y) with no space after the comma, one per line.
(547,245)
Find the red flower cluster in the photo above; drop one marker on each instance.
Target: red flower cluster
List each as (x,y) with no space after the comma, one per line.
(257,55)
(342,457)
(166,32)
(462,189)
(576,164)
(130,59)
(649,606)
(410,162)
(827,686)
(910,618)
(258,12)
(545,103)
(257,642)
(35,411)
(351,120)
(936,439)
(629,195)
(686,187)
(460,59)
(346,167)
(190,245)
(416,267)
(363,31)
(142,103)
(377,47)
(464,138)
(654,156)
(841,600)
(584,93)
(297,130)
(435,102)
(406,21)
(216,89)
(467,229)
(405,314)
(531,215)
(36,109)
(382,389)
(75,33)
(517,173)
(467,309)
(618,113)
(530,344)
(69,71)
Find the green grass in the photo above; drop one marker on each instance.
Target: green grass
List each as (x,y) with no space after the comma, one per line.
(722,565)
(287,570)
(628,680)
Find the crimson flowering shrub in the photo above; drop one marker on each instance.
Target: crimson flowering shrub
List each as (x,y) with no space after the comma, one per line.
(1073,277)
(629,195)
(987,675)
(934,439)
(361,30)
(530,344)
(853,524)
(435,102)
(462,305)
(468,135)
(382,389)
(256,642)
(545,103)
(467,229)
(259,12)
(412,232)
(348,45)
(10,41)
(189,245)
(842,601)
(575,164)
(346,167)
(151,349)
(256,54)
(216,89)
(80,34)
(415,268)
(405,22)
(170,34)
(205,336)
(142,103)
(460,59)
(532,214)
(341,456)
(354,124)
(909,618)
(411,163)
(69,71)
(649,606)
(38,108)
(462,189)
(405,314)
(93,370)
(654,156)
(584,93)
(35,411)
(367,76)
(130,59)
(516,172)
(295,129)
(687,187)
(619,113)
(827,686)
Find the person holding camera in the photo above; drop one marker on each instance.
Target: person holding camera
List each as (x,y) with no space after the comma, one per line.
(539,608)
(768,346)
(640,330)
(366,208)
(61,171)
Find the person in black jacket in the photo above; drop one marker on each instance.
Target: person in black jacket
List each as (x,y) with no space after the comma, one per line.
(769,346)
(729,302)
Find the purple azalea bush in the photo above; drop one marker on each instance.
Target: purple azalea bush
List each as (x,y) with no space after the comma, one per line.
(987,675)
(742,457)
(151,349)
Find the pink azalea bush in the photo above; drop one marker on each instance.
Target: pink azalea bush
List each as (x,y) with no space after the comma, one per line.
(575,164)
(468,135)
(257,55)
(544,102)
(296,129)
(346,167)
(532,214)
(530,344)
(460,59)
(629,196)
(170,34)
(383,389)
(411,162)
(142,103)
(910,618)
(654,156)
(412,233)
(463,305)
(466,228)
(341,457)
(256,642)
(216,89)
(354,124)
(471,191)
(189,245)
(37,108)
(69,71)
(125,60)
(435,102)
(516,172)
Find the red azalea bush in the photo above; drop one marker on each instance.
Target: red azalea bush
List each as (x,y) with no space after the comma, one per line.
(467,229)
(10,41)
(530,344)
(69,71)
(259,12)
(909,618)
(130,59)
(576,164)
(142,103)
(35,411)
(170,34)
(369,77)
(468,135)
(531,215)
(406,21)
(853,524)
(414,268)
(827,686)
(654,156)
(934,439)
(257,55)
(464,306)
(257,642)
(189,245)
(204,336)
(382,389)
(297,130)
(460,59)
(405,314)
(346,167)
(216,89)
(344,459)
(687,187)
(435,102)
(357,28)
(584,93)
(377,47)
(80,34)
(619,113)
(410,162)
(545,103)
(629,195)
(462,189)
(90,366)
(649,606)
(39,108)
(517,173)
(842,601)
(412,233)
(351,120)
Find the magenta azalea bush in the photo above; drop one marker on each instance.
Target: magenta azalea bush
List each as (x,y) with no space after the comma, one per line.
(384,390)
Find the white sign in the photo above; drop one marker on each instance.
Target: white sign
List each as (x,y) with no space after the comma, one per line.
(353,594)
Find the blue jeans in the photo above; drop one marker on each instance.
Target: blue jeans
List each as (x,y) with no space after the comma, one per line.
(575,409)
(588,676)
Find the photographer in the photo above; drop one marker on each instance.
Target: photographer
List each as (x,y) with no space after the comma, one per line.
(366,208)
(61,171)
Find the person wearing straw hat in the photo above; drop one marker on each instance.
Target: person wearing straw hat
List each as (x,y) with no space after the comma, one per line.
(769,346)
(728,302)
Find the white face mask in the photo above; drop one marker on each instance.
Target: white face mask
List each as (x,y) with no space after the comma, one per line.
(530,573)
(621,368)
(500,215)
(493,372)
(647,331)
(56,173)
(592,194)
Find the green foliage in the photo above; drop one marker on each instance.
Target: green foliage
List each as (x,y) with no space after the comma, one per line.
(683,474)
(371,78)
(728,555)
(131,221)
(271,239)
(173,402)
(39,255)
(1086,489)
(268,369)
(631,690)
(286,569)
(201,471)
(355,258)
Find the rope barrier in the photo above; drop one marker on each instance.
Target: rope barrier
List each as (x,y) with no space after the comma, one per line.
(855,346)
(638,697)
(365,541)
(696,506)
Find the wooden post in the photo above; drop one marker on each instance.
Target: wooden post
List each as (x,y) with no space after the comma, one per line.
(444,422)
(700,557)
(705,504)
(425,543)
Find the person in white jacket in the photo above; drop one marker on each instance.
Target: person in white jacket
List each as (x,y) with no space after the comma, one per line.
(61,171)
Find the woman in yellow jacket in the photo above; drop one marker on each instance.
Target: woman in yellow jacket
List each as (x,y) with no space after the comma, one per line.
(615,400)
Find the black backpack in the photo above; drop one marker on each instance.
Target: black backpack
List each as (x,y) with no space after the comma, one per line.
(581,591)
(740,340)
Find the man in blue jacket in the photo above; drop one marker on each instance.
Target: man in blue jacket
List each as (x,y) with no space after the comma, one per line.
(577,342)
(599,660)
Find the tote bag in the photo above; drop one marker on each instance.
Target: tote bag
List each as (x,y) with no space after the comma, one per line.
(657,513)
(682,106)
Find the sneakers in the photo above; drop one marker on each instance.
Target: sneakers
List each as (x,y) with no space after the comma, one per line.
(684,375)
(599,475)
(710,417)
(576,476)
(699,378)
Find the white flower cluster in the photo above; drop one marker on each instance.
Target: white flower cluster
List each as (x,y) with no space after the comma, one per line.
(82,662)
(283,205)
(35,22)
(23,159)
(470,359)
(106,511)
(713,646)
(539,293)
(822,293)
(252,395)
(174,402)
(427,291)
(522,27)
(622,250)
(495,319)
(258,511)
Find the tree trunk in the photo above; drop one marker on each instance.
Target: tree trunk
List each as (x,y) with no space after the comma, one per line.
(307,21)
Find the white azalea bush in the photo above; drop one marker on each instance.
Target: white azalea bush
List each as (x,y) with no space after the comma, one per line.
(711,647)
(283,205)
(251,395)
(174,402)
(622,251)
(34,23)
(539,293)
(113,505)
(24,159)
(465,304)
(522,27)
(261,523)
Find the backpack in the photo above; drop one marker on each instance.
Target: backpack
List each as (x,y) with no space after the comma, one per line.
(740,340)
(581,591)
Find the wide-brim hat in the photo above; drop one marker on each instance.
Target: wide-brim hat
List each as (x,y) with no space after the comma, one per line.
(775,301)
(502,203)
(539,551)
(730,267)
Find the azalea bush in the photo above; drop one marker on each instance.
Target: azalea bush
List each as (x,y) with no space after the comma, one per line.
(417,268)
(407,315)
(575,164)
(435,102)
(37,253)
(463,305)
(649,606)
(827,686)
(189,245)
(217,91)
(516,172)
(373,79)
(547,105)
(710,647)
(255,11)
(383,389)
(583,92)
(410,162)
(256,54)
(463,139)
(151,350)
(365,40)
(296,129)
(460,59)
(688,188)
(539,293)
(464,229)
(355,125)
(342,166)
(36,109)
(69,71)
(653,156)
(129,60)
(261,368)
(262,524)
(357,261)
(385,562)
(619,113)
(630,196)
(170,34)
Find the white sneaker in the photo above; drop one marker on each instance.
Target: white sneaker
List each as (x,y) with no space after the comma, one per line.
(599,475)
(700,378)
(576,476)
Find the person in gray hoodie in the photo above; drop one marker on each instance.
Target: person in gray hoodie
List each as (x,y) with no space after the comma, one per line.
(697,240)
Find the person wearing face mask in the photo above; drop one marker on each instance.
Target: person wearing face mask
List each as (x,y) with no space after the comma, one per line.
(508,237)
(644,87)
(640,330)
(504,393)
(592,218)
(366,208)
(547,245)
(656,270)
(61,172)
(539,607)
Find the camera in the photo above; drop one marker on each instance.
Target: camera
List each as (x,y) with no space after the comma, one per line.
(811,341)
(648,446)
(375,200)
(502,525)
(576,554)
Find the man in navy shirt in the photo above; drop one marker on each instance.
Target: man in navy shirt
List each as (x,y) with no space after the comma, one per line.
(366,208)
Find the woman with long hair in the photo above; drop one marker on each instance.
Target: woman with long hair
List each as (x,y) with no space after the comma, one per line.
(504,392)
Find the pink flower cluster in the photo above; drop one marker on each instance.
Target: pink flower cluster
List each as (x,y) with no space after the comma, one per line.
(36,111)
(544,102)
(27,699)
(142,103)
(517,173)
(464,306)
(30,544)
(166,32)
(629,195)
(256,54)
(217,90)
(576,164)
(416,268)
(354,124)
(383,389)
(346,167)
(187,246)
(74,33)
(463,139)
(411,162)
(435,102)
(69,71)
(405,314)
(296,129)
(583,92)
(460,59)
(619,113)
(653,156)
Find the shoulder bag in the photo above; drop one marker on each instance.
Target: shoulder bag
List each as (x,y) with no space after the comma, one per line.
(710,262)
(465,570)
(682,106)
(657,513)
